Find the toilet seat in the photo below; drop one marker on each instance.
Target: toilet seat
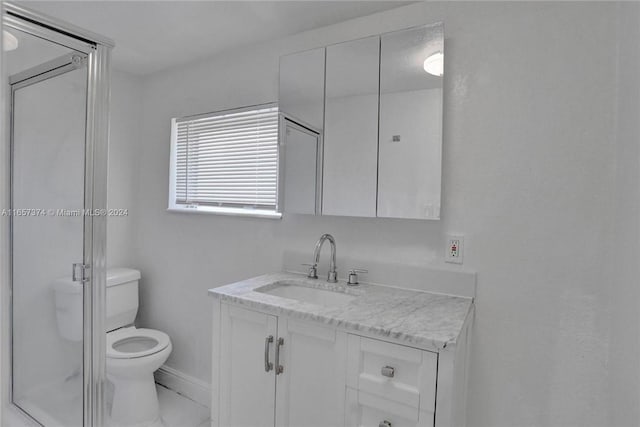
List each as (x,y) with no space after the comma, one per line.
(132,343)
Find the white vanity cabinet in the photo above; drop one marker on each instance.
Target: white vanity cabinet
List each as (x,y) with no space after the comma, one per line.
(276,370)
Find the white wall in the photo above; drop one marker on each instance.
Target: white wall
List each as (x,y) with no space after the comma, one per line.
(624,353)
(528,177)
(125,132)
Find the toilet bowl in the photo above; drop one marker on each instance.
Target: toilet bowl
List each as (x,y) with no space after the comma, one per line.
(133,355)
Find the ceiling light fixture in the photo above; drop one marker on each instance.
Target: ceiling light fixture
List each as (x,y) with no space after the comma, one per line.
(434,64)
(9,41)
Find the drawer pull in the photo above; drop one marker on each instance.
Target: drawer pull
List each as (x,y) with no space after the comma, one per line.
(387,371)
(384,423)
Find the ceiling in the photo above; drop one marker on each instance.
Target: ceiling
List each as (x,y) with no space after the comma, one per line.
(154,35)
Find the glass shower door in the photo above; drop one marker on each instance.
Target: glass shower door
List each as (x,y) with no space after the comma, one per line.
(48,127)
(58,77)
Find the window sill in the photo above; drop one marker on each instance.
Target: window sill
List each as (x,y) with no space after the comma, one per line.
(210,210)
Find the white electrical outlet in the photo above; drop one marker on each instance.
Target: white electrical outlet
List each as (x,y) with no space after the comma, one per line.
(455,249)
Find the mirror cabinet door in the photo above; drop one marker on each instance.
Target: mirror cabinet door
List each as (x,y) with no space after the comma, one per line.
(410,145)
(301,104)
(351,128)
(302,171)
(301,93)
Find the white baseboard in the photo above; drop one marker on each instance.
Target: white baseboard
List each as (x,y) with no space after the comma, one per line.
(186,385)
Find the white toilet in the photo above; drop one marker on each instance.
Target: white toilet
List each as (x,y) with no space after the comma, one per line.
(132,354)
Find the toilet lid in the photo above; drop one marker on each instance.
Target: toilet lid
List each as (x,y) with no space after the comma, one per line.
(130,343)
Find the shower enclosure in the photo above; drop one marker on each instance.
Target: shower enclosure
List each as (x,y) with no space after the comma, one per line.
(54,213)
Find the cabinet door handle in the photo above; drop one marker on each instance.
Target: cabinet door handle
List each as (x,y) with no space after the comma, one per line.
(279,367)
(384,423)
(388,371)
(267,365)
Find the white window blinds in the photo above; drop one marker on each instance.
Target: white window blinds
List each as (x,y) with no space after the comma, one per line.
(227,160)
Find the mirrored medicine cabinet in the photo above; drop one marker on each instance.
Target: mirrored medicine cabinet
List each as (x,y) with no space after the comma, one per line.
(361,126)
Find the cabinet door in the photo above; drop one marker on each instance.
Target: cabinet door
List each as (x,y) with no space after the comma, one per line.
(301,156)
(351,128)
(301,91)
(311,387)
(410,150)
(247,387)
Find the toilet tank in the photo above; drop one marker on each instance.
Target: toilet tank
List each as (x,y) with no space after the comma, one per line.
(122,297)
(121,302)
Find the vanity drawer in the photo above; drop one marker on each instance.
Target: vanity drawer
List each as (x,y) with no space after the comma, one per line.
(395,372)
(369,410)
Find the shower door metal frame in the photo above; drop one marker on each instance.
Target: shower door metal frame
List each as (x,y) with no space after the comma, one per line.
(98,61)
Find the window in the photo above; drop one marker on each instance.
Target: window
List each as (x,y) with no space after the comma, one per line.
(226,162)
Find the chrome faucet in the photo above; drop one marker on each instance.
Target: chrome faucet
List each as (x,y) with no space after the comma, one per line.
(313,269)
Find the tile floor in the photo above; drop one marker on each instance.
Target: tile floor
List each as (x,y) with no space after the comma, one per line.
(175,410)
(179,411)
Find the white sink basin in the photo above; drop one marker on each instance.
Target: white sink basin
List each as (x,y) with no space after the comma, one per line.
(292,290)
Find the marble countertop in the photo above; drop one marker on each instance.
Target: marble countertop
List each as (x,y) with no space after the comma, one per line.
(414,317)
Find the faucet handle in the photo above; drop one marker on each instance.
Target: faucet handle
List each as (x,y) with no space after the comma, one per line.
(313,270)
(353,275)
